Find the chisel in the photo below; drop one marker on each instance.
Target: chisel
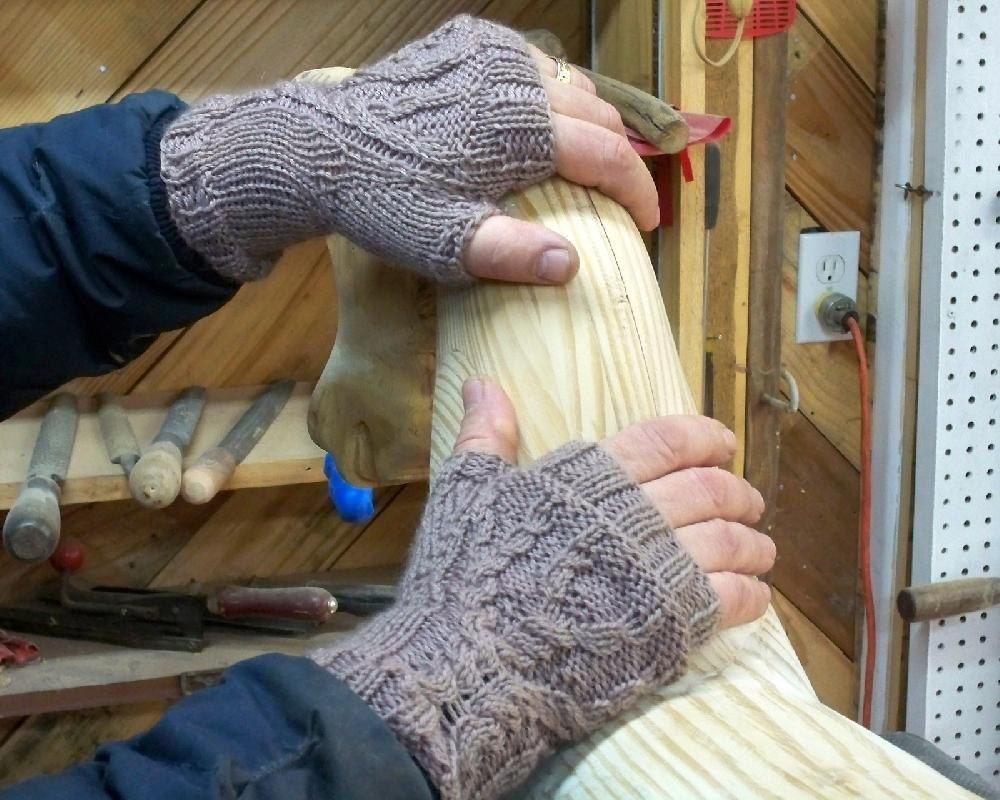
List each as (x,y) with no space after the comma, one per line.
(213,469)
(116,430)
(31,530)
(155,480)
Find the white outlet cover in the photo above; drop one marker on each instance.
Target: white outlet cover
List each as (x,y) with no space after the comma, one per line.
(828,262)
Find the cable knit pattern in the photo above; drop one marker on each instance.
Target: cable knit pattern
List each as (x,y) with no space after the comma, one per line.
(538,603)
(406,157)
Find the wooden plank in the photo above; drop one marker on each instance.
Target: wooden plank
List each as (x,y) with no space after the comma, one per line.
(52,742)
(831,136)
(815,529)
(826,373)
(285,454)
(386,541)
(767,225)
(729,91)
(830,672)
(852,28)
(63,56)
(682,246)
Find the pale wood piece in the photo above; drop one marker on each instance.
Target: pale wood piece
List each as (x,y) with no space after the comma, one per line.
(682,246)
(285,454)
(852,27)
(586,360)
(729,91)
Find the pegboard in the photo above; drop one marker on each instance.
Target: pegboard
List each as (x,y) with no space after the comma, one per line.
(953,695)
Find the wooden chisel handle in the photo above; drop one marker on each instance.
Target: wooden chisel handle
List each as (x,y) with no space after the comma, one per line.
(155,480)
(31,529)
(213,469)
(301,602)
(947,598)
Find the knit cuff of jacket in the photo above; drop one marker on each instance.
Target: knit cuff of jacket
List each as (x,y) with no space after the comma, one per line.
(406,157)
(537,605)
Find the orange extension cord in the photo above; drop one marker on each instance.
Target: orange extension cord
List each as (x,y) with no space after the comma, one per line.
(865,532)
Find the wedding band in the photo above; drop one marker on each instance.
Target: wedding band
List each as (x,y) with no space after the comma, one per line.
(564,74)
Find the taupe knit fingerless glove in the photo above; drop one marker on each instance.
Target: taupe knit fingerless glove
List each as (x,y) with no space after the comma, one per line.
(405,158)
(538,604)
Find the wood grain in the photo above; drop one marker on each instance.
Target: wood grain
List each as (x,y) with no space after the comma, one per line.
(815,528)
(682,251)
(587,359)
(729,91)
(851,27)
(831,136)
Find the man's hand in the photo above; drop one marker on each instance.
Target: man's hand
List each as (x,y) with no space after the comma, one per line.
(674,460)
(590,149)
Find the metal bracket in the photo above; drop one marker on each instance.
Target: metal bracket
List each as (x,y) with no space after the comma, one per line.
(791,405)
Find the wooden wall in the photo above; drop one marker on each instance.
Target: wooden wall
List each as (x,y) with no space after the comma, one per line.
(829,169)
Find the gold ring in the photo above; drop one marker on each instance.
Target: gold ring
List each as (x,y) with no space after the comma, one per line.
(564,73)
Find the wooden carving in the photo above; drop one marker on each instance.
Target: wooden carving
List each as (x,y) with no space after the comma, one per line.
(585,360)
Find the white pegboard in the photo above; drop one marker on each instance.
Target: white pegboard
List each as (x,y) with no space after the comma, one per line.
(953,695)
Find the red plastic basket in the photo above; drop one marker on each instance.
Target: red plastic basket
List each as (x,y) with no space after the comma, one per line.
(766,17)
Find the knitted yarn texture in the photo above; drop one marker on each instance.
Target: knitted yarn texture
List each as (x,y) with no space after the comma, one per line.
(538,603)
(405,158)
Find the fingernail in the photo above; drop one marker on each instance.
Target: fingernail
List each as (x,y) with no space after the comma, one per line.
(730,439)
(472,392)
(554,266)
(760,500)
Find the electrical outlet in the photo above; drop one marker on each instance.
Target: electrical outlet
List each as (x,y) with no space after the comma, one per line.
(828,262)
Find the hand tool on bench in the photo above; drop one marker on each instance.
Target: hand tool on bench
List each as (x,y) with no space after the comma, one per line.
(175,619)
(947,598)
(116,430)
(156,479)
(31,530)
(653,119)
(213,469)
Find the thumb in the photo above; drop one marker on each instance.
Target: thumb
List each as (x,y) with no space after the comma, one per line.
(490,423)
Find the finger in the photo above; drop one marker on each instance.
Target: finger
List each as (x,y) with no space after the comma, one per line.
(721,546)
(594,156)
(741,599)
(579,104)
(489,424)
(657,447)
(508,249)
(547,66)
(700,494)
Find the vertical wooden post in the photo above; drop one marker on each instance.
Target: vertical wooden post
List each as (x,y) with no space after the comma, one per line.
(767,211)
(682,246)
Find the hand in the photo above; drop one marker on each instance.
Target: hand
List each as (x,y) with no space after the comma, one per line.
(540,602)
(590,149)
(673,459)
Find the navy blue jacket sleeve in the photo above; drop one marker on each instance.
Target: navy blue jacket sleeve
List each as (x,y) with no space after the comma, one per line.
(276,728)
(91,266)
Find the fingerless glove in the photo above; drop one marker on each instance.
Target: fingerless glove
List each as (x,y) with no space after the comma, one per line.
(406,157)
(538,603)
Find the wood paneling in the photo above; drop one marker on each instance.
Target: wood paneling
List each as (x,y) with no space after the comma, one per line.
(815,529)
(851,28)
(50,743)
(831,136)
(57,57)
